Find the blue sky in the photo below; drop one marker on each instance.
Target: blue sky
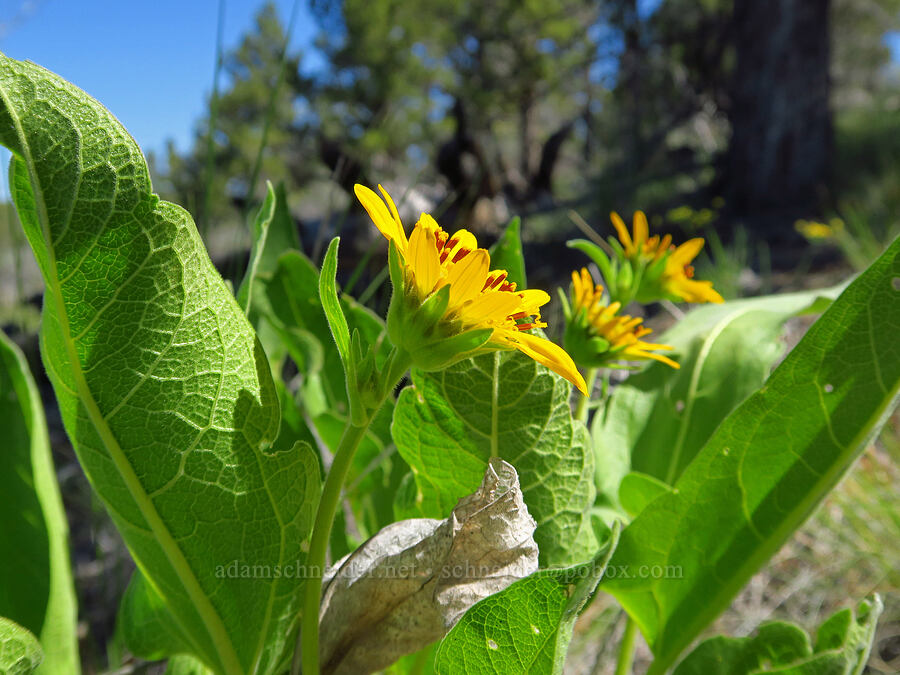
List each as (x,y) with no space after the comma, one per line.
(150,63)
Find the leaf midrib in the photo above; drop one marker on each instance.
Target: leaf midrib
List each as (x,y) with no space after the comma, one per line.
(789,523)
(212,621)
(694,385)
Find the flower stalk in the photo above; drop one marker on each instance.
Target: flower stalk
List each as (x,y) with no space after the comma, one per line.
(308,640)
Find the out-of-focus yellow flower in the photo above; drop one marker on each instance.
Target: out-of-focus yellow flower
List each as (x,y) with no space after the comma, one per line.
(677,279)
(659,269)
(816,231)
(597,334)
(451,305)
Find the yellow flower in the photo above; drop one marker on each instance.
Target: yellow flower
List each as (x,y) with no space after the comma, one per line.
(817,231)
(619,335)
(677,279)
(664,269)
(477,300)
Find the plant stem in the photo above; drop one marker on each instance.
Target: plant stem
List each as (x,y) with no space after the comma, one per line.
(307,652)
(626,647)
(581,411)
(318,547)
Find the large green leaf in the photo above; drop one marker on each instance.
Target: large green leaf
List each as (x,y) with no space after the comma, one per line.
(525,628)
(658,419)
(842,647)
(766,467)
(20,652)
(449,423)
(162,385)
(36,587)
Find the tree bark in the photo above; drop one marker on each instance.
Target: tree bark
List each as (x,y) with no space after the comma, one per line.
(778,159)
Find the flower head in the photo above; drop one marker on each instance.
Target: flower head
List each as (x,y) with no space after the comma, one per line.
(597,334)
(661,270)
(814,231)
(448,304)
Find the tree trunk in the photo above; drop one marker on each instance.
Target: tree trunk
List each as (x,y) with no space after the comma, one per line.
(779,155)
(527,135)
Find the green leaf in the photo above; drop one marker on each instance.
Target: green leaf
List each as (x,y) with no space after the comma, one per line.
(337,322)
(525,628)
(638,489)
(257,251)
(186,665)
(598,255)
(664,416)
(507,254)
(767,465)
(278,235)
(148,628)
(449,423)
(293,305)
(842,648)
(283,234)
(162,385)
(20,652)
(36,587)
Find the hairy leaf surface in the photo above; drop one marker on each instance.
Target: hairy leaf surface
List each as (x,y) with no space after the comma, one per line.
(449,423)
(162,385)
(20,653)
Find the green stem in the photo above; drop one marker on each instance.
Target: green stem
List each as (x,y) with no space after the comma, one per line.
(308,641)
(626,647)
(318,547)
(581,411)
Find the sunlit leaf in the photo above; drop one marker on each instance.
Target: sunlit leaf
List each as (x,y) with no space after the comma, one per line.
(658,419)
(449,423)
(163,388)
(20,653)
(527,627)
(767,466)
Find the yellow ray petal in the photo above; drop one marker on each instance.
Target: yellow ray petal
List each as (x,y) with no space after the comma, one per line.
(695,291)
(462,241)
(577,287)
(467,277)
(423,258)
(382,217)
(394,214)
(637,351)
(624,237)
(532,300)
(495,307)
(429,223)
(550,355)
(682,255)
(641,230)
